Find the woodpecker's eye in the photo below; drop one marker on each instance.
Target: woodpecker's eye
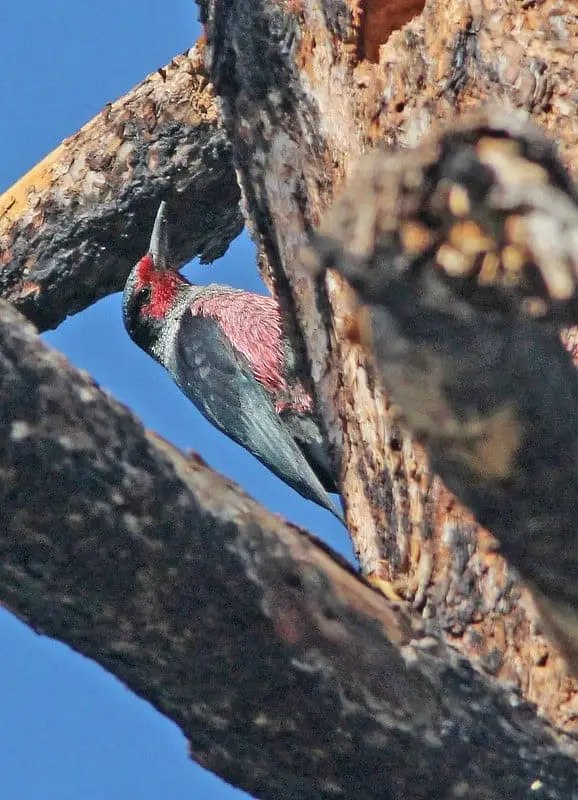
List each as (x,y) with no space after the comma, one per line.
(144,295)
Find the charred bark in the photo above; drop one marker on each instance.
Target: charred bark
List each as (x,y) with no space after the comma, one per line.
(289,676)
(464,326)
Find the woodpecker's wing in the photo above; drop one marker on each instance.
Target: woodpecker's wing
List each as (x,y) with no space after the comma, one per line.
(305,431)
(218,380)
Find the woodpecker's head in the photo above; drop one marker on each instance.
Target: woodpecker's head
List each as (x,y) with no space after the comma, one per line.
(152,289)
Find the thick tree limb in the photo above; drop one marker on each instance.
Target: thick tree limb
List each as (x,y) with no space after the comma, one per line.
(72,228)
(304,92)
(481,377)
(289,676)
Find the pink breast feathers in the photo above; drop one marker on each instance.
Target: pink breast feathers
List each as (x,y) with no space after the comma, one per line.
(252,323)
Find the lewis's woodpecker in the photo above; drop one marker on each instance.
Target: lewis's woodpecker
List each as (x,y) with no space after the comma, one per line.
(227,352)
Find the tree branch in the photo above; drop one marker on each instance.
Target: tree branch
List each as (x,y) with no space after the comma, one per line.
(72,228)
(290,677)
(474,357)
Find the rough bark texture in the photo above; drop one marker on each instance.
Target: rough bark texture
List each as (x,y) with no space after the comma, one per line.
(72,227)
(290,677)
(464,329)
(303,95)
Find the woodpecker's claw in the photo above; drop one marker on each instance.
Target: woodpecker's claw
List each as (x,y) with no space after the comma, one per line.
(384,586)
(159,244)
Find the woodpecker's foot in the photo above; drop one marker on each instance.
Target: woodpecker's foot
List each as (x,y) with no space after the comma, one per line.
(384,586)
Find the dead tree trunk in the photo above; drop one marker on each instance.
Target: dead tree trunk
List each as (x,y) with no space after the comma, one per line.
(316,84)
(289,676)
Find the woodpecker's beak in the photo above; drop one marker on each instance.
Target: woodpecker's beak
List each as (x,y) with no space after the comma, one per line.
(159,244)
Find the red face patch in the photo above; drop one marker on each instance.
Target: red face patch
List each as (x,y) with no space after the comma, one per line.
(145,271)
(163,283)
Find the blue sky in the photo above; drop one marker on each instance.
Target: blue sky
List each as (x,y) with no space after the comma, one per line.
(68,730)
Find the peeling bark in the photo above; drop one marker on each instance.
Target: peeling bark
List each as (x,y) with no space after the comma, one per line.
(302,98)
(290,677)
(73,227)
